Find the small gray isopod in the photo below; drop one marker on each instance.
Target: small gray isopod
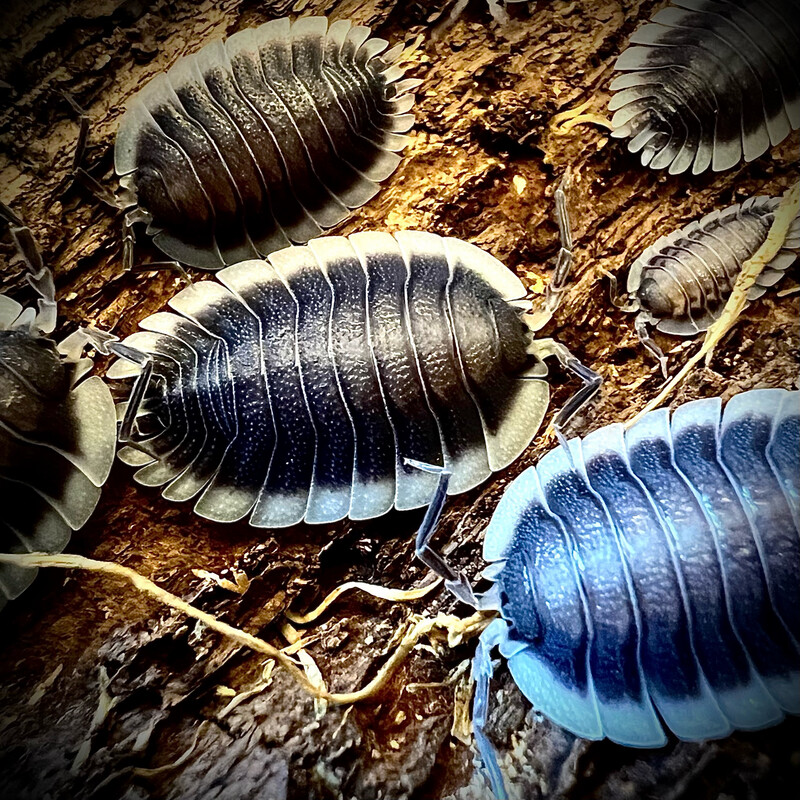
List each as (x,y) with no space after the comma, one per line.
(265,139)
(680,284)
(709,83)
(58,428)
(303,386)
(649,577)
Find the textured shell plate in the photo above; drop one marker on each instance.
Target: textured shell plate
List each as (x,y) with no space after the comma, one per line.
(685,278)
(295,388)
(709,83)
(265,139)
(654,574)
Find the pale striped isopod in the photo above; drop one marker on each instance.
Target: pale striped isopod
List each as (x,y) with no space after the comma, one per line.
(296,388)
(709,83)
(57,430)
(264,139)
(680,284)
(651,577)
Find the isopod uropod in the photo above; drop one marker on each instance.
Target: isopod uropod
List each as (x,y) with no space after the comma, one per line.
(680,284)
(649,576)
(57,427)
(708,83)
(262,140)
(302,386)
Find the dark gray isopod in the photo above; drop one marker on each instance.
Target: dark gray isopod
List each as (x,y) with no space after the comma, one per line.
(709,83)
(295,388)
(57,431)
(265,139)
(680,284)
(652,576)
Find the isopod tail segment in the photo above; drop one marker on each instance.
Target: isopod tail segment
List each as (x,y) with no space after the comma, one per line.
(57,427)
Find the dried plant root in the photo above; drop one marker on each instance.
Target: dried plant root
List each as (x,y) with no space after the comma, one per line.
(397,595)
(457,629)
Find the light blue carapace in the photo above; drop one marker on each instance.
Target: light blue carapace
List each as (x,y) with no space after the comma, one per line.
(649,579)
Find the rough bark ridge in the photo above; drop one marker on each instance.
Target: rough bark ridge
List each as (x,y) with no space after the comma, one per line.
(106,695)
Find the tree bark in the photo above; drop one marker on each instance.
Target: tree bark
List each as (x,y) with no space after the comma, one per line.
(107,694)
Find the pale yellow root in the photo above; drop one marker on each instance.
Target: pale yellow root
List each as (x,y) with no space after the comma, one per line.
(457,629)
(563,122)
(398,595)
(751,269)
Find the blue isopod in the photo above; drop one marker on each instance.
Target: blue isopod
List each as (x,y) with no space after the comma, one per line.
(649,577)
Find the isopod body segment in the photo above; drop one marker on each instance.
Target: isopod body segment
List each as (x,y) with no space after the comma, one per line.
(297,388)
(265,139)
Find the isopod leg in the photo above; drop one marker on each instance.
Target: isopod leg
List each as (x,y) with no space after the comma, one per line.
(132,216)
(108,344)
(640,325)
(558,283)
(78,171)
(616,298)
(39,276)
(546,348)
(456,582)
(482,671)
(139,387)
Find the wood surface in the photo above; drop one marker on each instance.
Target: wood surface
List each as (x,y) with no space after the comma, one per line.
(106,694)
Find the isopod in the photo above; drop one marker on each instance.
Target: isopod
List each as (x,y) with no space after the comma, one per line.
(262,140)
(57,428)
(680,284)
(709,83)
(649,577)
(300,387)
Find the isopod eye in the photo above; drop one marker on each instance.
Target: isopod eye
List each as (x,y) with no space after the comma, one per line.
(518,599)
(662,301)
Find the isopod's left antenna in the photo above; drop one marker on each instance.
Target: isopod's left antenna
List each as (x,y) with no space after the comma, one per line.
(460,586)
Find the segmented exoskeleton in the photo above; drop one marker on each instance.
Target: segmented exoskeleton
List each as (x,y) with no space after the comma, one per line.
(650,576)
(57,430)
(262,140)
(680,284)
(709,83)
(301,386)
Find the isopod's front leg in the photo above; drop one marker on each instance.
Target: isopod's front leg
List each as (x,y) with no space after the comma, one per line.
(39,276)
(643,332)
(547,348)
(482,671)
(456,582)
